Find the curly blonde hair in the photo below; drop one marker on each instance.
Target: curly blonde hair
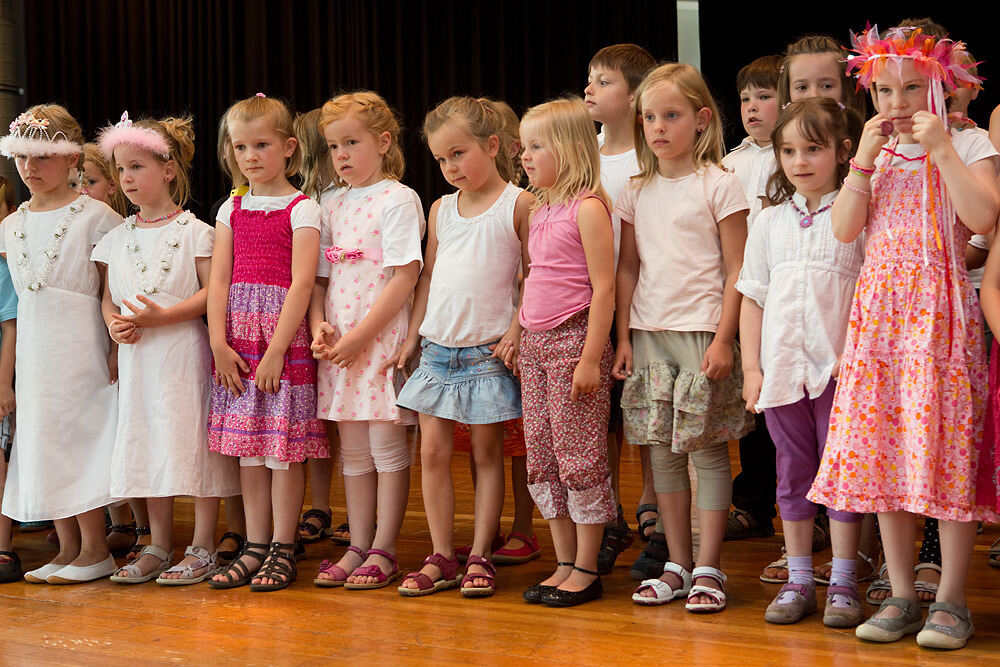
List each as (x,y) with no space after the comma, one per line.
(373,111)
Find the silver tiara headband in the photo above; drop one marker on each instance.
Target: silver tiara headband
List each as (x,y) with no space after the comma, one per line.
(29,135)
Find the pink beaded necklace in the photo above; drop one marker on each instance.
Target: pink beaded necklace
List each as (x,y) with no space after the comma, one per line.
(139,218)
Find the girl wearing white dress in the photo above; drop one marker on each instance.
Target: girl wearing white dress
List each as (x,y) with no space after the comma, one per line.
(154,297)
(61,462)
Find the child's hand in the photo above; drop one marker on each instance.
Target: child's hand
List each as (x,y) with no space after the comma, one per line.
(228,365)
(718,361)
(507,348)
(872,140)
(835,373)
(268,375)
(407,351)
(622,368)
(7,402)
(113,365)
(124,333)
(150,316)
(322,340)
(586,379)
(928,130)
(752,381)
(346,350)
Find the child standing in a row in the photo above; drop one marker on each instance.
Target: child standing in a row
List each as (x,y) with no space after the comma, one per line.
(263,406)
(683,232)
(61,461)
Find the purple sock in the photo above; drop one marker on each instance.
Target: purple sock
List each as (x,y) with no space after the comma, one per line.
(844,574)
(800,571)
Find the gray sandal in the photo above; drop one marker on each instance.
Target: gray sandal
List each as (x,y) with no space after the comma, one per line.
(935,635)
(886,630)
(206,561)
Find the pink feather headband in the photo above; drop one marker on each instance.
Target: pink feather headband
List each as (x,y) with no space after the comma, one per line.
(124,132)
(29,135)
(941,60)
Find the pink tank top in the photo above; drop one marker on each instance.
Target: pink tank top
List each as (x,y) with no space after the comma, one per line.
(558,285)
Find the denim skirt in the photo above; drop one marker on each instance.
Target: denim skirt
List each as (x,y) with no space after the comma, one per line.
(466,384)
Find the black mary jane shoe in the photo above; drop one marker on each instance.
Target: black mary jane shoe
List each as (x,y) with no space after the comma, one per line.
(560,598)
(534,594)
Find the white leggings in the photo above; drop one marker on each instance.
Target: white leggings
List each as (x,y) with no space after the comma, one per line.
(368,446)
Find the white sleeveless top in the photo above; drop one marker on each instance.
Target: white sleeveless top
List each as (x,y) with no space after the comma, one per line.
(474,292)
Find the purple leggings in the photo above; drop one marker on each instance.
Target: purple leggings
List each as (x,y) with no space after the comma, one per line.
(799,434)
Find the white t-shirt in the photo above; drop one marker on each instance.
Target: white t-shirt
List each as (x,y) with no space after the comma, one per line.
(753,165)
(681,269)
(976,275)
(305,214)
(616,170)
(804,280)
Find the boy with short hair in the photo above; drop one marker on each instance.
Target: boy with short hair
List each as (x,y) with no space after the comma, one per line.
(613,75)
(753,160)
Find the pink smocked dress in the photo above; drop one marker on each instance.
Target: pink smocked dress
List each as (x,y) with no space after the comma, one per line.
(906,430)
(365,391)
(282,425)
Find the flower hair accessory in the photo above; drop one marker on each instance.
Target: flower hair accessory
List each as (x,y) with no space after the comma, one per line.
(29,135)
(942,60)
(125,132)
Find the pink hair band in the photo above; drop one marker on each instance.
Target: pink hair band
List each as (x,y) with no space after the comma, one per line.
(124,132)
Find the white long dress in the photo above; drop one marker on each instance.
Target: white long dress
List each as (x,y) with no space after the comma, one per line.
(66,407)
(161,445)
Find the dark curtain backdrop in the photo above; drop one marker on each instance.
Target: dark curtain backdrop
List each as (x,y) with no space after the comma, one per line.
(731,40)
(197,56)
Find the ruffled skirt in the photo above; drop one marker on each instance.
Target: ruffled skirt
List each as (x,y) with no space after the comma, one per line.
(668,400)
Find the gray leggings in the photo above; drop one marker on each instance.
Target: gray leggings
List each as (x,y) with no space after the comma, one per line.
(670,474)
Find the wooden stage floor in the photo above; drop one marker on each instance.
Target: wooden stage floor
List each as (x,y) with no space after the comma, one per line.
(105,624)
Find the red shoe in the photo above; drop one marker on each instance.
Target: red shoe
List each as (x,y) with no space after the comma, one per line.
(462,552)
(527,551)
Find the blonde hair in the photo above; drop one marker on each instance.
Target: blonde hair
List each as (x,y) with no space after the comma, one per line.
(709,146)
(179,135)
(60,120)
(482,119)
(376,115)
(511,138)
(7,197)
(251,109)
(116,199)
(316,169)
(567,125)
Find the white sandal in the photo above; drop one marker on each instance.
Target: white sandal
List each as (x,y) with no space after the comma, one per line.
(134,575)
(206,561)
(663,592)
(718,595)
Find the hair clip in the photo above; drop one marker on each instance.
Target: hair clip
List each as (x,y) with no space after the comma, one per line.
(261,95)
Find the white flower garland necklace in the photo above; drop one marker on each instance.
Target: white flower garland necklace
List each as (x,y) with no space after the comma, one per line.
(33,281)
(152,280)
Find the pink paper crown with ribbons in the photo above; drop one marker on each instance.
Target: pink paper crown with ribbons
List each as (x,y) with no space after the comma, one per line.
(943,60)
(125,132)
(29,135)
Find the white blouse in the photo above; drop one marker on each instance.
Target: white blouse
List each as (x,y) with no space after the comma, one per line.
(803,278)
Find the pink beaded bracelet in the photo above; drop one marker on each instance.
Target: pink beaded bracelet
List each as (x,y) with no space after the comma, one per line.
(856,189)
